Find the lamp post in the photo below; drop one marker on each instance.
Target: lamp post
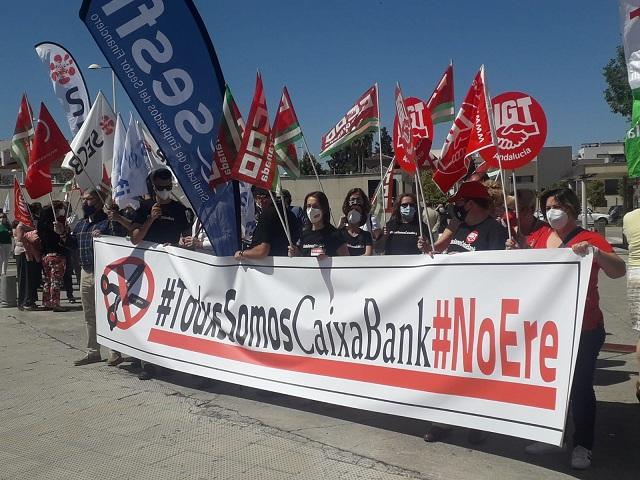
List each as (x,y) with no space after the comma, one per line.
(95,66)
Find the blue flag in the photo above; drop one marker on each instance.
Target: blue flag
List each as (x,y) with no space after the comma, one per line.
(164,59)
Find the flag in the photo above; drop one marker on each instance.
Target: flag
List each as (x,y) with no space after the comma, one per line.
(469,133)
(132,180)
(68,83)
(92,147)
(154,154)
(441,103)
(228,142)
(23,133)
(362,118)
(404,135)
(255,163)
(120,137)
(22,213)
(383,197)
(630,16)
(286,132)
(49,145)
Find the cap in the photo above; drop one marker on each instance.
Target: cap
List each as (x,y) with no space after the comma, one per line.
(470,190)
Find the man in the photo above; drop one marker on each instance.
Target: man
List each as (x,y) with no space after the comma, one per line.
(631,232)
(269,237)
(94,224)
(160,220)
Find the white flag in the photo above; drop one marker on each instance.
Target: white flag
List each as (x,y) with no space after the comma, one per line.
(7,208)
(133,168)
(154,154)
(118,153)
(630,20)
(92,147)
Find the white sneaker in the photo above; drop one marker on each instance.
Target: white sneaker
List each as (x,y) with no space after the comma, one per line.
(580,458)
(539,448)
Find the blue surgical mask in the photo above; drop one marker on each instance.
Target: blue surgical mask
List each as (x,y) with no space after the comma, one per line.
(407,212)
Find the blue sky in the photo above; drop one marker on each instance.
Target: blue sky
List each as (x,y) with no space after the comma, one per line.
(328,52)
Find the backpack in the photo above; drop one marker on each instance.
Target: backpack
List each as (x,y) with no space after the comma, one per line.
(32,245)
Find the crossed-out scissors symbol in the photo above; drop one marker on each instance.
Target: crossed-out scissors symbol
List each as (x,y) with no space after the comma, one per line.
(131,298)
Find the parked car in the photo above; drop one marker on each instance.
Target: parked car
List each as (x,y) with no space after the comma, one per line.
(596,218)
(616,212)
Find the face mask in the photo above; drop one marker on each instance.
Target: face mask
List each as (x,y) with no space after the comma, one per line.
(88,210)
(407,212)
(459,212)
(314,214)
(354,217)
(557,218)
(163,194)
(60,213)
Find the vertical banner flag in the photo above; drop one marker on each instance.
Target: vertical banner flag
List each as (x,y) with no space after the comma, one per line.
(165,60)
(383,197)
(21,213)
(68,82)
(49,145)
(120,137)
(92,147)
(255,163)
(441,103)
(23,133)
(286,132)
(155,155)
(404,136)
(630,16)
(133,168)
(6,208)
(228,143)
(362,118)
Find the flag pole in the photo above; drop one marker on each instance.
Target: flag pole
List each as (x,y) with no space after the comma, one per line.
(415,178)
(286,229)
(424,202)
(284,208)
(384,213)
(315,171)
(515,198)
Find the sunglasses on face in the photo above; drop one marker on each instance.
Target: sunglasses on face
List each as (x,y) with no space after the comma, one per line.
(160,188)
(407,204)
(355,201)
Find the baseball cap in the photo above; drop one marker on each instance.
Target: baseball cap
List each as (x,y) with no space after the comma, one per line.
(470,190)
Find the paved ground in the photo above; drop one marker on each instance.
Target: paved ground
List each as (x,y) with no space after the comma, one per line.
(60,421)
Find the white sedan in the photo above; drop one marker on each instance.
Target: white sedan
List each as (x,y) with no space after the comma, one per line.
(592,218)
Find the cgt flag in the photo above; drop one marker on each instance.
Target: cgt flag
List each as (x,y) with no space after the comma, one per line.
(630,16)
(229,140)
(23,133)
(441,103)
(166,62)
(404,135)
(49,145)
(68,82)
(22,213)
(255,163)
(286,132)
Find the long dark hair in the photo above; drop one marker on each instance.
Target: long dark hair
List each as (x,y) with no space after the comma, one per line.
(395,215)
(324,206)
(366,206)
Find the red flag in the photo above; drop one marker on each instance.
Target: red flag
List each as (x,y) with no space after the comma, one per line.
(49,145)
(482,134)
(256,163)
(404,135)
(20,205)
(23,133)
(228,143)
(441,102)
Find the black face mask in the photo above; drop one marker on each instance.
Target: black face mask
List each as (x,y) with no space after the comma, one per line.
(459,212)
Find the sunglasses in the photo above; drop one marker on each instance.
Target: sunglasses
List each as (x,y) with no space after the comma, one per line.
(160,188)
(407,204)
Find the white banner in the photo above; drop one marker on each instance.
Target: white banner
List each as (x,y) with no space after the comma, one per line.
(630,27)
(486,340)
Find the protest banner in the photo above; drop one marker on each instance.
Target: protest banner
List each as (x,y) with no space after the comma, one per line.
(427,338)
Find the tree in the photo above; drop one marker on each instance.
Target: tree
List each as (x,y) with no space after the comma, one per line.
(351,158)
(306,167)
(618,93)
(595,193)
(432,193)
(387,143)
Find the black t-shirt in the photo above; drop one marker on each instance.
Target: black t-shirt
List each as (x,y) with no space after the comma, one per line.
(328,238)
(270,230)
(403,238)
(175,219)
(358,244)
(486,235)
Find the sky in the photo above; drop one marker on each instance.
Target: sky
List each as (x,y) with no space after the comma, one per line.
(329,52)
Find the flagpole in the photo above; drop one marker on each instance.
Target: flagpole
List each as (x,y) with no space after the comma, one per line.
(284,209)
(25,202)
(424,202)
(515,197)
(315,171)
(286,230)
(384,213)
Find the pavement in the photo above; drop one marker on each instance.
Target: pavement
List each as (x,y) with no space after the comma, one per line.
(61,421)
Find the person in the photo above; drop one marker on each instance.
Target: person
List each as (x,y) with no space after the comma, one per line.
(160,220)
(303,220)
(94,223)
(531,228)
(71,258)
(53,233)
(322,239)
(561,211)
(29,251)
(269,237)
(359,241)
(371,223)
(631,232)
(6,237)
(402,231)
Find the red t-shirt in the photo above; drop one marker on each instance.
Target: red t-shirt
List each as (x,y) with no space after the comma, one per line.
(538,237)
(593,317)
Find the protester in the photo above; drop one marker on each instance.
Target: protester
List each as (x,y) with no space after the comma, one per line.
(356,196)
(322,239)
(6,236)
(53,233)
(359,241)
(270,237)
(94,223)
(562,207)
(531,229)
(631,231)
(303,220)
(402,231)
(31,270)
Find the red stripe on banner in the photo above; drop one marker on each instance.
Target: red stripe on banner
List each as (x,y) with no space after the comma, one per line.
(484,389)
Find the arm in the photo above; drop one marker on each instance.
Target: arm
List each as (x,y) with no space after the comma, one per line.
(343,251)
(445,238)
(612,265)
(259,251)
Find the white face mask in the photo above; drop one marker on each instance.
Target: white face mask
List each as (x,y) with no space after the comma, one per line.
(60,213)
(314,214)
(557,218)
(354,217)
(163,194)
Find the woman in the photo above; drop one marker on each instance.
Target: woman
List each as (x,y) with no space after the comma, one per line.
(5,242)
(359,241)
(402,231)
(53,233)
(322,240)
(561,211)
(531,231)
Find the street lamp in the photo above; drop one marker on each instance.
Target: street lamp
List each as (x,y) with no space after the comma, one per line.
(95,66)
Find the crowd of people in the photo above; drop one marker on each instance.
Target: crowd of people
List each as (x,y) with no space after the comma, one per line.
(476,219)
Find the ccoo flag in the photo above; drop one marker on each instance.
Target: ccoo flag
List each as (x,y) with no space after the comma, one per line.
(68,83)
(228,143)
(23,133)
(630,18)
(163,56)
(441,103)
(286,132)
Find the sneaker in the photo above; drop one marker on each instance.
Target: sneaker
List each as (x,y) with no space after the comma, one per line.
(540,448)
(30,308)
(580,458)
(147,373)
(87,359)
